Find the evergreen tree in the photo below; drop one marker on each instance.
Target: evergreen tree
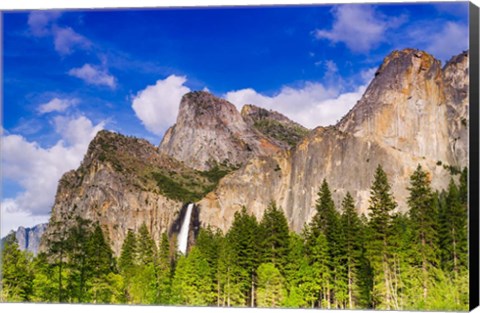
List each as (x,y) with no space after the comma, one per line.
(128,255)
(352,228)
(327,222)
(463,188)
(77,260)
(243,237)
(271,291)
(16,272)
(104,282)
(320,257)
(192,284)
(143,288)
(381,206)
(45,284)
(58,247)
(274,237)
(164,271)
(453,232)
(423,216)
(229,276)
(127,262)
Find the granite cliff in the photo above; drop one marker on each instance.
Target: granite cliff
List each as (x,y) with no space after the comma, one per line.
(28,238)
(211,131)
(413,112)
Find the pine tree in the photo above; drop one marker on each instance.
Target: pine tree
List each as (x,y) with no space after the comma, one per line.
(381,206)
(16,272)
(327,222)
(127,262)
(321,270)
(58,247)
(453,234)
(295,260)
(271,292)
(104,282)
(164,271)
(45,284)
(77,257)
(229,276)
(463,188)
(352,228)
(144,281)
(192,284)
(243,237)
(274,237)
(423,216)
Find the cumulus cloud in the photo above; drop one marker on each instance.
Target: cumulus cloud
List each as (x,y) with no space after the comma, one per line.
(313,105)
(38,169)
(157,105)
(11,218)
(451,40)
(359,27)
(65,39)
(94,76)
(40,22)
(57,105)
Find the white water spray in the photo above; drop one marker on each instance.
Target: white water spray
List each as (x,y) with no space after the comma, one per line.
(183,234)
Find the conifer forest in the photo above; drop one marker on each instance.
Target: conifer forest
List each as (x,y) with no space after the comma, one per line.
(341,260)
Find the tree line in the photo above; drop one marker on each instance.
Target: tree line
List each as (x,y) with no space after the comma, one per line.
(341,260)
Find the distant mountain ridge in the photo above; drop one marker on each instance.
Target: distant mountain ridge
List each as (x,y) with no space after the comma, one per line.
(29,238)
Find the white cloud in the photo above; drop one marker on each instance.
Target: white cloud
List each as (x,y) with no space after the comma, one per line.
(94,76)
(65,39)
(37,169)
(360,27)
(157,106)
(11,218)
(57,105)
(451,40)
(40,22)
(313,105)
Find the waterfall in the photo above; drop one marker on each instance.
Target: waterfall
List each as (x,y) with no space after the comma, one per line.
(183,234)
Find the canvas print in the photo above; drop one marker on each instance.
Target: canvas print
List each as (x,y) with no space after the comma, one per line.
(280,156)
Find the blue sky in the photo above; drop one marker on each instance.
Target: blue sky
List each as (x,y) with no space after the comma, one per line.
(68,74)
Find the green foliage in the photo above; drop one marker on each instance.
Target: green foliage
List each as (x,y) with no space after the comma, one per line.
(379,244)
(271,291)
(16,272)
(352,230)
(288,133)
(192,284)
(243,236)
(414,261)
(190,187)
(423,217)
(128,255)
(274,235)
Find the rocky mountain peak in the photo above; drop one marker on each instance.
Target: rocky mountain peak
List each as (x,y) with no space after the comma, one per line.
(210,131)
(404,106)
(276,126)
(201,103)
(29,238)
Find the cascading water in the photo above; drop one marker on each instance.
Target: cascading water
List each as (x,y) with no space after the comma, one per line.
(183,234)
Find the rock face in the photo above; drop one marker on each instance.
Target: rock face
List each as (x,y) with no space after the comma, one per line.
(115,187)
(414,112)
(406,117)
(29,238)
(211,131)
(276,126)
